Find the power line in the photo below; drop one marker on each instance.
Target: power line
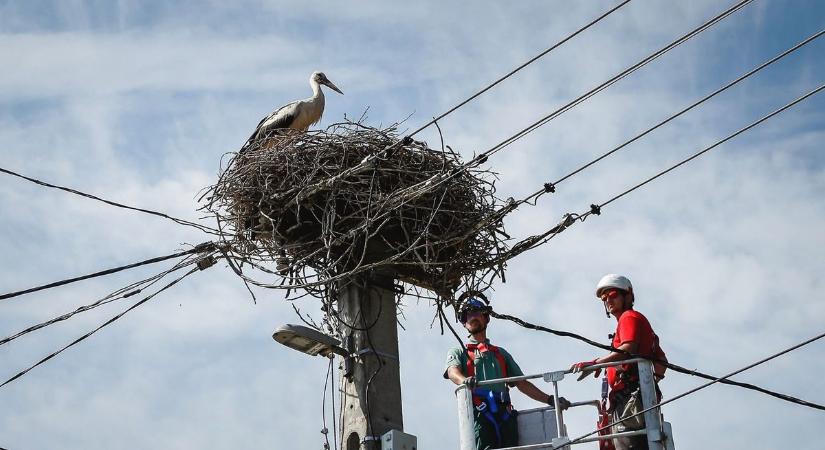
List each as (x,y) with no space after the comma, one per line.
(550,187)
(367,163)
(698,388)
(670,365)
(200,248)
(435,120)
(324,429)
(332,387)
(570,105)
(126,292)
(209,261)
(569,219)
(522,66)
(698,154)
(109,202)
(676,115)
(434,181)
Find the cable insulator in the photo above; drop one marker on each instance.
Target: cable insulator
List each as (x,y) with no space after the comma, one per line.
(206,263)
(549,187)
(481,159)
(595,209)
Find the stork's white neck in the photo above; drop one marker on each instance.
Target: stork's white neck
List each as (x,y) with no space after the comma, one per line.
(316,90)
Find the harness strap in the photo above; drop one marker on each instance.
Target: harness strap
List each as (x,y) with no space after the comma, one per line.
(483,347)
(494,406)
(487,401)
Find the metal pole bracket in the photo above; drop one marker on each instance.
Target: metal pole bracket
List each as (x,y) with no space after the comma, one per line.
(554,377)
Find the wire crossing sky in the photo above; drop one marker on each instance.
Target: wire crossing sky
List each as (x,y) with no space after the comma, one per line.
(139,102)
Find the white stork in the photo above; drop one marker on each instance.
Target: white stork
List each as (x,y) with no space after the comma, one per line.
(297,115)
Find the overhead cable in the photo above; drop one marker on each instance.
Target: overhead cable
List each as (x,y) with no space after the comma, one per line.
(437,180)
(550,187)
(522,66)
(653,56)
(367,163)
(698,388)
(207,261)
(698,154)
(674,367)
(109,202)
(200,248)
(324,429)
(120,294)
(399,198)
(693,105)
(569,219)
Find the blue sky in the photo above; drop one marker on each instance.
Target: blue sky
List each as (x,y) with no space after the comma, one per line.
(137,101)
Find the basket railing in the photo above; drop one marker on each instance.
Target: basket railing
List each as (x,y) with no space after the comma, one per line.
(653,429)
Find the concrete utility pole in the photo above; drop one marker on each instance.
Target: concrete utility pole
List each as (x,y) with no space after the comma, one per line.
(372,392)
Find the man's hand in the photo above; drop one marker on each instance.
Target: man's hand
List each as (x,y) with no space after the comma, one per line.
(563,402)
(583,368)
(470,382)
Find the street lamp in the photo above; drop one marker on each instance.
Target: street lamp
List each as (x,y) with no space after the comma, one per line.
(309,341)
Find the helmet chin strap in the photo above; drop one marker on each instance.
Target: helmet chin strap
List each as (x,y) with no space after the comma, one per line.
(606,312)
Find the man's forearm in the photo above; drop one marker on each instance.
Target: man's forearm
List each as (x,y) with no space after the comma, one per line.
(455,375)
(629,347)
(529,389)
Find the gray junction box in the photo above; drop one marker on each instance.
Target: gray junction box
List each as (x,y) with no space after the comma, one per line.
(398,440)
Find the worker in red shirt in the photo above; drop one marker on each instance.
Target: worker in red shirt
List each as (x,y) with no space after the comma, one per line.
(635,336)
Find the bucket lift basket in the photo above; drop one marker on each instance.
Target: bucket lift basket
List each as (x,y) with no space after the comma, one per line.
(543,428)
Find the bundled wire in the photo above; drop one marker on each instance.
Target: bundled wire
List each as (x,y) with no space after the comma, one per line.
(203,263)
(120,294)
(325,430)
(670,365)
(200,248)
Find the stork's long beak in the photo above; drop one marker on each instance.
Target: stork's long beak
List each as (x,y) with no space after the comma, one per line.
(332,86)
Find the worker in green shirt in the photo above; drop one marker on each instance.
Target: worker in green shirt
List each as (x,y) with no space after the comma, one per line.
(495,420)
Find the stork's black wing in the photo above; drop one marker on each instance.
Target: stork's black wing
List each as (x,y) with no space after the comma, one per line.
(283,118)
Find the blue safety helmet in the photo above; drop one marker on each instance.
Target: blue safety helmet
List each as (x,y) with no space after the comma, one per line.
(473,304)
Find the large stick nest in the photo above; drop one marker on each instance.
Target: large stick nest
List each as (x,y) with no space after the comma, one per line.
(328,204)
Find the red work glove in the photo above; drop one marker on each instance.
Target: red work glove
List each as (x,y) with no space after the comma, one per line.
(583,368)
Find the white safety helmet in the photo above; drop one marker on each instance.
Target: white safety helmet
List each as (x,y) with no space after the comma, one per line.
(612,280)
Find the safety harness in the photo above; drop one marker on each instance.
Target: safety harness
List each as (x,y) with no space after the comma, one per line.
(487,401)
(604,418)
